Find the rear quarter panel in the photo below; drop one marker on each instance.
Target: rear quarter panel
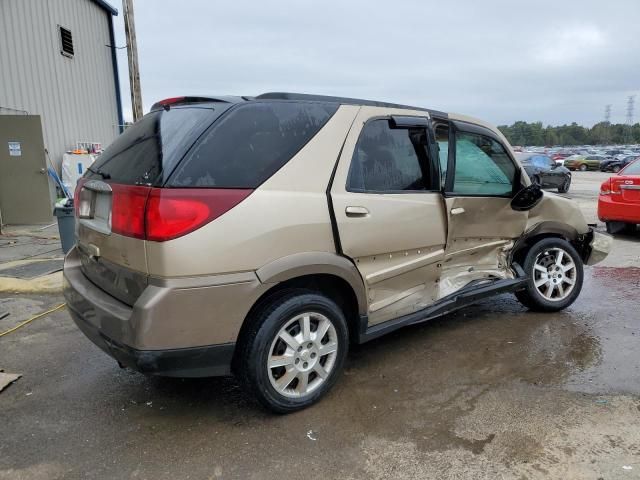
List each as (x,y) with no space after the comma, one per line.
(287,214)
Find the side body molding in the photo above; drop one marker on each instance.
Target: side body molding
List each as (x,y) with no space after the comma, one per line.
(313,263)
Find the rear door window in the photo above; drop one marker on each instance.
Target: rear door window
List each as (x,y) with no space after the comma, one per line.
(149,150)
(389,159)
(250,143)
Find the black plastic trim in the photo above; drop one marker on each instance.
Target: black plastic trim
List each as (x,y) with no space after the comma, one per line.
(114,62)
(206,361)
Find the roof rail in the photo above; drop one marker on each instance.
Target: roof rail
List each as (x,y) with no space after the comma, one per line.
(341,100)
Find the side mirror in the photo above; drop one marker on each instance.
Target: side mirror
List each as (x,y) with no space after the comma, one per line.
(527,198)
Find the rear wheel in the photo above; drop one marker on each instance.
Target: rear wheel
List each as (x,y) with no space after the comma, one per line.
(555,276)
(616,169)
(583,167)
(294,351)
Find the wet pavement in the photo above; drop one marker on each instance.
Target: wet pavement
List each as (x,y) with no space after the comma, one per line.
(492,391)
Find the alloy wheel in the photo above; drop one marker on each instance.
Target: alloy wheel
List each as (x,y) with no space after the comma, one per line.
(554,274)
(302,355)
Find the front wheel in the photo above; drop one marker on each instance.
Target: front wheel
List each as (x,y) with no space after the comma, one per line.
(555,276)
(294,351)
(564,188)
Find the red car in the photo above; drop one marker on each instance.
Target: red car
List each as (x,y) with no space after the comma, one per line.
(619,200)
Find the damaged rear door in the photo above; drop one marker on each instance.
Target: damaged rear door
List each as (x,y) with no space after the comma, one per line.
(480,180)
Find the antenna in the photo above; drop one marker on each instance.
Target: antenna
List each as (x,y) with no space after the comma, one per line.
(628,137)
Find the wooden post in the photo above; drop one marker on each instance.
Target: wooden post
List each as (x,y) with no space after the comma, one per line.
(132,55)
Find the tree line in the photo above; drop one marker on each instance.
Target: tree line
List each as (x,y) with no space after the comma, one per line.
(603,133)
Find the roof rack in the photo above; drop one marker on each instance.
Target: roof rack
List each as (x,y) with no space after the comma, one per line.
(341,100)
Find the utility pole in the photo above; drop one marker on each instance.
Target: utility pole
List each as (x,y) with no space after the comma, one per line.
(607,124)
(628,136)
(132,55)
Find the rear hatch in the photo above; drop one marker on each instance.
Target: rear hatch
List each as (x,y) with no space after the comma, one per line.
(111,198)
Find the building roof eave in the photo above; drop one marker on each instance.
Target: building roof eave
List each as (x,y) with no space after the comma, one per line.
(106,6)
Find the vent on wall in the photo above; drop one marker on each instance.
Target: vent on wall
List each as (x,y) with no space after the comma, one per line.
(66,42)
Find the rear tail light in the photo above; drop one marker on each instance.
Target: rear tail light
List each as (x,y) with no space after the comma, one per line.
(610,187)
(172,213)
(128,210)
(161,214)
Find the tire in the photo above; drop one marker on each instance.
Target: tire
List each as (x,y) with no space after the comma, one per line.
(620,227)
(564,188)
(616,169)
(583,167)
(262,343)
(545,253)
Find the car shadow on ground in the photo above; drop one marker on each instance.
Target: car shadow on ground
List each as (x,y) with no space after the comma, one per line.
(492,342)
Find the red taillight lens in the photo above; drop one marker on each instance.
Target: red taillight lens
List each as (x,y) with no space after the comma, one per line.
(76,195)
(172,213)
(605,188)
(128,210)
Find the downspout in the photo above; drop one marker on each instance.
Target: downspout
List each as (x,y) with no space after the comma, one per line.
(116,78)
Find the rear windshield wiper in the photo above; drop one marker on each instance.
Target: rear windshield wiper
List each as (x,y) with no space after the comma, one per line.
(104,175)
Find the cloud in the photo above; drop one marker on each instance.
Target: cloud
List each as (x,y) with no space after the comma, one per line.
(502,61)
(570,46)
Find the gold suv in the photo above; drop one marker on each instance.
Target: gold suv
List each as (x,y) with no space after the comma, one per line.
(261,236)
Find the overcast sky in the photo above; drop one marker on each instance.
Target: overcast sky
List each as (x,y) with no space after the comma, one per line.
(551,61)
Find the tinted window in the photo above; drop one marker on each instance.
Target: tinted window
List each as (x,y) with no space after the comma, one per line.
(250,143)
(148,150)
(482,166)
(388,159)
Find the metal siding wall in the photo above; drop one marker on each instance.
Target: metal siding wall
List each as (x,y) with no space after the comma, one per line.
(76,96)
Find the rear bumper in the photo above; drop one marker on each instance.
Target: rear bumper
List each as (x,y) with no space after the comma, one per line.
(209,361)
(617,210)
(178,327)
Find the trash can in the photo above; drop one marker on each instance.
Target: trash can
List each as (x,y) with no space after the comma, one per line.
(66,224)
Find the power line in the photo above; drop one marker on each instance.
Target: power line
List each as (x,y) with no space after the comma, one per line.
(607,123)
(628,137)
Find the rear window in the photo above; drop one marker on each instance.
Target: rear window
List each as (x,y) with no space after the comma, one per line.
(250,143)
(147,152)
(632,169)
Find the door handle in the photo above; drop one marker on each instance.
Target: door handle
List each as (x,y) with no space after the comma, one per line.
(356,211)
(457,211)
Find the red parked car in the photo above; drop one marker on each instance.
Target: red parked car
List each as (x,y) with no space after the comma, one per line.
(619,201)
